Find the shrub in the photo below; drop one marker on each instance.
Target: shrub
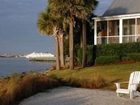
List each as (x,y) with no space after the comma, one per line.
(90,55)
(79,56)
(134,56)
(117,49)
(120,50)
(107,59)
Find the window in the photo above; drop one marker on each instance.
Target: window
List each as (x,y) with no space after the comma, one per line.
(128,30)
(114,28)
(129,27)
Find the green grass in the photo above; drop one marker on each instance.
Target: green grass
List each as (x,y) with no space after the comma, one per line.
(96,77)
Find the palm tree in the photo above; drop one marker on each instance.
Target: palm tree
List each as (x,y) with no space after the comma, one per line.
(61,48)
(61,10)
(49,26)
(51,23)
(71,9)
(88,9)
(84,45)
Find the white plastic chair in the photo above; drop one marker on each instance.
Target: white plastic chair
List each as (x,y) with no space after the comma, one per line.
(133,83)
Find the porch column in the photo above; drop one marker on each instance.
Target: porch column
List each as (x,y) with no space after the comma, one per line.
(136,27)
(108,31)
(95,32)
(120,30)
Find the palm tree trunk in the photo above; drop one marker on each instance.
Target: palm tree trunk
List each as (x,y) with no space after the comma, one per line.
(81,41)
(84,43)
(71,45)
(61,48)
(57,54)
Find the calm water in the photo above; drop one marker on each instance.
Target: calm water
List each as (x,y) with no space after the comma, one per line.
(10,66)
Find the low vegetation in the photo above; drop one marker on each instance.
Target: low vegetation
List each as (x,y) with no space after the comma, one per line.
(107,60)
(96,77)
(17,87)
(112,53)
(78,79)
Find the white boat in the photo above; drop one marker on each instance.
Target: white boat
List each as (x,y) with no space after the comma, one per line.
(40,56)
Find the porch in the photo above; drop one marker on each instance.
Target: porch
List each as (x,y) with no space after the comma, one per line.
(117,29)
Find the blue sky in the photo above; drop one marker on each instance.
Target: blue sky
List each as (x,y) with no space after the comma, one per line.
(18,30)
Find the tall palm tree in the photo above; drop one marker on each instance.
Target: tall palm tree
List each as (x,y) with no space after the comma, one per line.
(88,9)
(48,25)
(54,24)
(63,8)
(71,9)
(61,47)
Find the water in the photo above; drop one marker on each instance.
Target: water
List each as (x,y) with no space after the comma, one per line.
(10,66)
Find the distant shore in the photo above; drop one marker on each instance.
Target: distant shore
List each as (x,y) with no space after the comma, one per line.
(10,56)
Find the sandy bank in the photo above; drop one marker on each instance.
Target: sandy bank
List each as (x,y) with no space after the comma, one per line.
(78,96)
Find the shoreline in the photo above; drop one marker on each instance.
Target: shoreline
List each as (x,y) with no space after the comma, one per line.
(10,66)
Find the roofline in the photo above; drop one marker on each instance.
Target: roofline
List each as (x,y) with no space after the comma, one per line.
(127,16)
(110,6)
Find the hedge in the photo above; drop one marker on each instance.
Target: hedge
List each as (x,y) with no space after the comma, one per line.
(117,49)
(106,54)
(133,56)
(107,60)
(90,55)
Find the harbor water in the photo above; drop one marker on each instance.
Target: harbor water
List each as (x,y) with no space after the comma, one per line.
(9,66)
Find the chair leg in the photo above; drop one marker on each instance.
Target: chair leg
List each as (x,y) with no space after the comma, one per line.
(137,93)
(131,94)
(118,94)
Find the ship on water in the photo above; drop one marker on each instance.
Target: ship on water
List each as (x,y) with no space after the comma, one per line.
(40,56)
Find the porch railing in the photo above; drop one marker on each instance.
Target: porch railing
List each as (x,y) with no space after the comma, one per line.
(116,39)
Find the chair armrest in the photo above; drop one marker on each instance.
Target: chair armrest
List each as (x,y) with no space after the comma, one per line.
(118,84)
(126,82)
(134,84)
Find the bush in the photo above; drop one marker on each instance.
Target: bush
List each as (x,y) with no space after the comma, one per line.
(90,55)
(120,50)
(79,56)
(134,56)
(107,60)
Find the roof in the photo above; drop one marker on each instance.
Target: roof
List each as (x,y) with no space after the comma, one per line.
(102,6)
(122,7)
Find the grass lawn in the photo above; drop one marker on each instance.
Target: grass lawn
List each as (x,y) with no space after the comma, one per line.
(97,76)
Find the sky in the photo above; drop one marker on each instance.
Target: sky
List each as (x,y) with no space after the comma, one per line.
(18,26)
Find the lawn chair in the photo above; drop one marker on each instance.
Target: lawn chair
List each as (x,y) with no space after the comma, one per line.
(133,83)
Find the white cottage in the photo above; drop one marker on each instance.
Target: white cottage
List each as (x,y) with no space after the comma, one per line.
(120,23)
